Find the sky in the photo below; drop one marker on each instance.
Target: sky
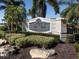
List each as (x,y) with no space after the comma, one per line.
(28,5)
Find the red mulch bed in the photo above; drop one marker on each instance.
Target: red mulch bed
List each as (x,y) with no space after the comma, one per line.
(64,51)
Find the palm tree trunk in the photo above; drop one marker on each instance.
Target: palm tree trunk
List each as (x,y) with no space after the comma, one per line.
(16,26)
(8,27)
(12,29)
(41,8)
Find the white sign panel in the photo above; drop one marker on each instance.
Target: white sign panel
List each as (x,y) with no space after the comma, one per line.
(39,26)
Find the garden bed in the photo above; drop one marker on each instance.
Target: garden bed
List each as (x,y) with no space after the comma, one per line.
(64,51)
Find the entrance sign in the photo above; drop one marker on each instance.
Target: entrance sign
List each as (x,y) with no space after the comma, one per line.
(46,25)
(39,26)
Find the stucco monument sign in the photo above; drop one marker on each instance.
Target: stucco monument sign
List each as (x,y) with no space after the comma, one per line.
(46,25)
(39,26)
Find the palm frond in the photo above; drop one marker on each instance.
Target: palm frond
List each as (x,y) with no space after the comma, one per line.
(70,14)
(54,4)
(64,2)
(77,11)
(2,7)
(65,11)
(32,11)
(18,2)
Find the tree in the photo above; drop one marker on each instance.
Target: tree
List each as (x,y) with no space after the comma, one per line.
(15,13)
(71,13)
(39,7)
(32,11)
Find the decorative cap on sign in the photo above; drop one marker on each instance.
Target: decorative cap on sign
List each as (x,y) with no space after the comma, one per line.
(38,20)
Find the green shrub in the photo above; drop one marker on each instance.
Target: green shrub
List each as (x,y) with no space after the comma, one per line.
(71,38)
(21,42)
(11,40)
(2,34)
(36,40)
(3,28)
(76,45)
(8,35)
(40,40)
(42,34)
(76,37)
(12,37)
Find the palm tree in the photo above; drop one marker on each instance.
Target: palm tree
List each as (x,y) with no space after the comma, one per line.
(71,13)
(39,7)
(15,12)
(32,11)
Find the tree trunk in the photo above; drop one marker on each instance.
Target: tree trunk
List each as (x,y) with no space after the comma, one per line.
(16,25)
(8,27)
(12,26)
(41,8)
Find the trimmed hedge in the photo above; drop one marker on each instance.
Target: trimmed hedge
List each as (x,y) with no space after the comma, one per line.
(21,42)
(2,34)
(36,40)
(32,39)
(12,37)
(43,34)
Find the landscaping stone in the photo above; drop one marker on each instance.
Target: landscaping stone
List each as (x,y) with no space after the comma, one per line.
(7,50)
(3,41)
(3,52)
(41,53)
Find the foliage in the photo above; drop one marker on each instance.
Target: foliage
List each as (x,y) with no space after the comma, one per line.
(12,37)
(3,28)
(42,34)
(77,37)
(54,4)
(36,40)
(2,34)
(76,45)
(21,42)
(15,13)
(11,40)
(71,13)
(32,11)
(71,38)
(39,7)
